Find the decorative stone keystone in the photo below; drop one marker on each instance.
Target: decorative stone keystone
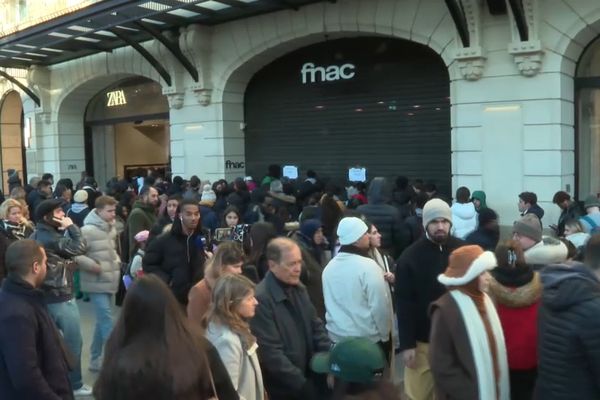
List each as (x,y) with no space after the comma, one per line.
(528,56)
(471,62)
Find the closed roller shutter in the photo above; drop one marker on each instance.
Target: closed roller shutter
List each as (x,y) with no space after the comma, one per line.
(392,116)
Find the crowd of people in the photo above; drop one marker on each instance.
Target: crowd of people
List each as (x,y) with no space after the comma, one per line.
(301,289)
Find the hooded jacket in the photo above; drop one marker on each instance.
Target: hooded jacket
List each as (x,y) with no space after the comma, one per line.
(547,251)
(569,334)
(464,219)
(142,217)
(480,195)
(384,216)
(178,259)
(101,240)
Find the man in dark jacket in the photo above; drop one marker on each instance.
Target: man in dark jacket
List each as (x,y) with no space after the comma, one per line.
(569,329)
(528,205)
(570,210)
(178,256)
(287,328)
(62,241)
(33,364)
(143,215)
(42,192)
(384,216)
(487,233)
(416,288)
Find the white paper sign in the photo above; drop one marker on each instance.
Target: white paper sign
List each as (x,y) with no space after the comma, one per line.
(290,171)
(357,174)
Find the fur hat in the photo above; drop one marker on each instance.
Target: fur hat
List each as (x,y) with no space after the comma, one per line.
(208,195)
(529,225)
(434,209)
(350,230)
(80,196)
(591,201)
(466,264)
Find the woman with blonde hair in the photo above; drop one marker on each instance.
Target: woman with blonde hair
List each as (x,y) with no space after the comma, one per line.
(228,258)
(13,227)
(227,328)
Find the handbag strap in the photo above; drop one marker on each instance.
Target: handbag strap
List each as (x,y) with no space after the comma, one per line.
(212,383)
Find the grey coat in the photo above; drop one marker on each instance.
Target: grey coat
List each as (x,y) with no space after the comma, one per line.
(101,239)
(280,342)
(242,365)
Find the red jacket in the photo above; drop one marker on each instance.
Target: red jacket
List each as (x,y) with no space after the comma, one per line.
(520,334)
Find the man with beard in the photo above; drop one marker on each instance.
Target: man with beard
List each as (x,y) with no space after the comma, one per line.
(487,233)
(143,215)
(33,364)
(416,288)
(178,256)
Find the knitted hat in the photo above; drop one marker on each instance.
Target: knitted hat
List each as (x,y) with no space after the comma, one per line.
(465,264)
(529,225)
(350,230)
(208,194)
(434,209)
(80,196)
(357,360)
(141,236)
(591,201)
(309,227)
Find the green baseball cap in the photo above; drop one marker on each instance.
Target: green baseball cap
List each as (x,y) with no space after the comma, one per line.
(352,360)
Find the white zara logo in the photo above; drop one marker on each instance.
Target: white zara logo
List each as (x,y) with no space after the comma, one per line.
(116,98)
(311,73)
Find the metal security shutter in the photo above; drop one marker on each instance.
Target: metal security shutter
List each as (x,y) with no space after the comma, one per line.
(392,116)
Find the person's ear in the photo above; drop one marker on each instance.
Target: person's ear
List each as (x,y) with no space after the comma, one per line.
(272,264)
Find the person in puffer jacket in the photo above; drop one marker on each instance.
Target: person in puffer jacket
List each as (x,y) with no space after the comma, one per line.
(100,270)
(464,215)
(569,329)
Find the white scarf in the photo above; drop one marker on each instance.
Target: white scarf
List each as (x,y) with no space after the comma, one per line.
(478,339)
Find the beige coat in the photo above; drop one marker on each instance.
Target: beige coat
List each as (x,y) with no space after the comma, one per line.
(101,250)
(242,365)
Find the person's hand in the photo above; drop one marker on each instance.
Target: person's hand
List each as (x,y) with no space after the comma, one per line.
(208,254)
(389,277)
(410,358)
(64,222)
(96,269)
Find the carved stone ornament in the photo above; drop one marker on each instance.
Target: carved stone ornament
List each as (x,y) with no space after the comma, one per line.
(43,116)
(528,56)
(176,100)
(471,62)
(203,96)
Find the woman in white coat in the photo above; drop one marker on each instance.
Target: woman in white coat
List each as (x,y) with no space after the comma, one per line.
(227,328)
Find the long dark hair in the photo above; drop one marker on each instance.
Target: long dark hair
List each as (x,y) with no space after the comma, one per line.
(260,235)
(153,350)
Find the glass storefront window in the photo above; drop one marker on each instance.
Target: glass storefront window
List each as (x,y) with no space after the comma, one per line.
(588,122)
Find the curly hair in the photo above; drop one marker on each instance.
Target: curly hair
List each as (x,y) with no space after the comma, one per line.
(229,291)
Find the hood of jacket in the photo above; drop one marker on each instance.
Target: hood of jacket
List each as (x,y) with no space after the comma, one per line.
(78,207)
(378,192)
(480,195)
(517,297)
(568,285)
(94,219)
(464,211)
(548,251)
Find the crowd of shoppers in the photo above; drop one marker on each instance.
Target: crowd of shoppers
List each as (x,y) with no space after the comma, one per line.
(295,290)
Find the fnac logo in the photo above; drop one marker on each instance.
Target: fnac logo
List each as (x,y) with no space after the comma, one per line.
(312,74)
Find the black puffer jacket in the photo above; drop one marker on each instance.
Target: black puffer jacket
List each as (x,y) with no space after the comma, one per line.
(61,248)
(177,259)
(384,216)
(569,334)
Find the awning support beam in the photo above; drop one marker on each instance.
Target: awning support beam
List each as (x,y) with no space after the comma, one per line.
(460,21)
(144,53)
(172,47)
(520,20)
(24,88)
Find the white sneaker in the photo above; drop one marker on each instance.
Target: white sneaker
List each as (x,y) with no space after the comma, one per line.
(95,365)
(84,390)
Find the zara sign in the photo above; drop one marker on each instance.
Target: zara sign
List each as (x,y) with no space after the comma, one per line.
(312,74)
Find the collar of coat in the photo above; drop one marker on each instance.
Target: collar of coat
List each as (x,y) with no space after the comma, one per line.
(517,297)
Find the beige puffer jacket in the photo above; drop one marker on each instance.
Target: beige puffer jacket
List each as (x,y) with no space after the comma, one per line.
(101,250)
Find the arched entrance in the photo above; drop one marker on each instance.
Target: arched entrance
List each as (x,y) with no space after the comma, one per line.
(127,130)
(587,138)
(374,102)
(11,139)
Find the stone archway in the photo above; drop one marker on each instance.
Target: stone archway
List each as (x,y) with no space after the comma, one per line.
(12,147)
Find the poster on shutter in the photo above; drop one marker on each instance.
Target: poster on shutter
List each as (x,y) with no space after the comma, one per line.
(290,171)
(357,174)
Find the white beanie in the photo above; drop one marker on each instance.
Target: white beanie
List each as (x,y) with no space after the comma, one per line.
(434,209)
(208,194)
(350,230)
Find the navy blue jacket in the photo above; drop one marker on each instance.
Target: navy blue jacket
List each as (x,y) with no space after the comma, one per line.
(33,364)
